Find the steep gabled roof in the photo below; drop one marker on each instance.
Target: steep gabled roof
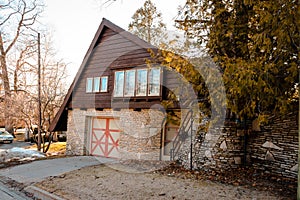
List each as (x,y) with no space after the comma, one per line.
(60,120)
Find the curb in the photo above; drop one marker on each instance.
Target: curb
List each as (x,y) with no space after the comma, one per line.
(41,194)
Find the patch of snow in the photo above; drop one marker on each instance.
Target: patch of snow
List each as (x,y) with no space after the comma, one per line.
(26,152)
(19,154)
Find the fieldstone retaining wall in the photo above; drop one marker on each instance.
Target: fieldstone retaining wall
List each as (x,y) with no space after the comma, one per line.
(273,149)
(221,147)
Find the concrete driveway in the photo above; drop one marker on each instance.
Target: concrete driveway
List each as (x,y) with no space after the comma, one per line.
(39,170)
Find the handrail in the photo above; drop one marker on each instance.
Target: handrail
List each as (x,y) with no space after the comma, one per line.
(183,132)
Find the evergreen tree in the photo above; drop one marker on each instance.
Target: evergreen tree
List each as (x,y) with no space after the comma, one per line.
(256,44)
(148,24)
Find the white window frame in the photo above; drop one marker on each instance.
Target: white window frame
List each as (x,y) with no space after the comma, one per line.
(129,86)
(96,84)
(104,82)
(89,85)
(154,85)
(144,83)
(141,84)
(118,85)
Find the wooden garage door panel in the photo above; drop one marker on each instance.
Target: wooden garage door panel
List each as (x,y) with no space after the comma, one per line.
(113,143)
(96,146)
(113,124)
(105,137)
(99,123)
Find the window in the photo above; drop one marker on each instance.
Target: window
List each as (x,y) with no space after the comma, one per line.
(104,84)
(119,83)
(140,82)
(141,88)
(154,82)
(89,84)
(96,84)
(129,83)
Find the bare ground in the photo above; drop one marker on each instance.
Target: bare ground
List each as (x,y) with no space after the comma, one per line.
(135,181)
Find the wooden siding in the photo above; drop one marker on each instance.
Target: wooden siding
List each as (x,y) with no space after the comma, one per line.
(111,49)
(114,52)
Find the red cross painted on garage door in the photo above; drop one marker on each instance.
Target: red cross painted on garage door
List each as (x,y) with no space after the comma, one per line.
(105,137)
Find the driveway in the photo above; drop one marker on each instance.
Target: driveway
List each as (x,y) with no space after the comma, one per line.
(115,180)
(39,170)
(127,181)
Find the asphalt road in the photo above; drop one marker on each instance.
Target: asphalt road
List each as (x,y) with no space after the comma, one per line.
(14,144)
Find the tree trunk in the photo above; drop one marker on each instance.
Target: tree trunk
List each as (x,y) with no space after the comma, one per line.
(7,93)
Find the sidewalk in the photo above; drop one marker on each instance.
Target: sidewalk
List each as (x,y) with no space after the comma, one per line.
(36,171)
(8,194)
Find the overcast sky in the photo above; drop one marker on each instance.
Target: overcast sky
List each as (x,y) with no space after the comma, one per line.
(75,22)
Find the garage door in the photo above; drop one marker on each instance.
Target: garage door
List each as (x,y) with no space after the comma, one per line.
(105,136)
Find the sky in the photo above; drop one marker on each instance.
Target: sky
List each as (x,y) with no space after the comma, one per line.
(73,23)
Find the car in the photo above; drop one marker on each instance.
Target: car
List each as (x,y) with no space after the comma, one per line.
(6,137)
(61,136)
(19,134)
(34,136)
(20,131)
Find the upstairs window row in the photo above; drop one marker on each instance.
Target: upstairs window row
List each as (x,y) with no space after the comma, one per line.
(137,82)
(96,84)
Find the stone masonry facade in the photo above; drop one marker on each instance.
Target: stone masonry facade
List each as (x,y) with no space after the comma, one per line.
(140,136)
(273,149)
(220,147)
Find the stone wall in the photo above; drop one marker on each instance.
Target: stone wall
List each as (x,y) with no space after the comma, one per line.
(274,149)
(76,134)
(220,147)
(140,136)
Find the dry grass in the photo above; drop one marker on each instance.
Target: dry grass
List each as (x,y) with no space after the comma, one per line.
(56,147)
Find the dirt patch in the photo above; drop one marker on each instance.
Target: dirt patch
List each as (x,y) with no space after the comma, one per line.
(121,181)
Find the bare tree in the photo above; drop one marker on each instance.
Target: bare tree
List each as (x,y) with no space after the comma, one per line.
(24,100)
(17,16)
(18,59)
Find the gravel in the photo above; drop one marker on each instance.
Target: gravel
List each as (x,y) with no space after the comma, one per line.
(131,180)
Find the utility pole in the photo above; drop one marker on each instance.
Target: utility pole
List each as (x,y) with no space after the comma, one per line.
(298,188)
(39,94)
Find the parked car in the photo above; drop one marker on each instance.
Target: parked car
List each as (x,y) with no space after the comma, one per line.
(34,136)
(6,137)
(20,131)
(44,137)
(61,136)
(19,134)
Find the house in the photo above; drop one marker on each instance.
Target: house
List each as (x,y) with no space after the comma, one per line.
(114,107)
